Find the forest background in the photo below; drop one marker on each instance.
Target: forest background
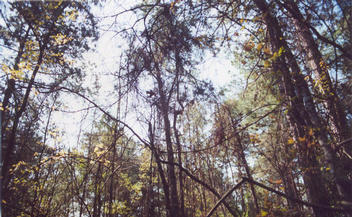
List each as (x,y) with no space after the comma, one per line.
(176,108)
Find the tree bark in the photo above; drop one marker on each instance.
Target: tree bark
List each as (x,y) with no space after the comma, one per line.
(161,171)
(297,114)
(316,64)
(164,109)
(335,110)
(180,176)
(243,160)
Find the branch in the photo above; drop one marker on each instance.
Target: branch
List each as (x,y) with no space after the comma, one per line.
(245,179)
(107,114)
(345,52)
(212,190)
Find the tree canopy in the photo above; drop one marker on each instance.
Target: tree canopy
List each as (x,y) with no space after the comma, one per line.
(107,109)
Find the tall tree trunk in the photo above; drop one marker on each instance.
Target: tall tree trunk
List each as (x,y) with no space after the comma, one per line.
(297,113)
(332,102)
(112,186)
(243,203)
(97,193)
(290,189)
(11,139)
(164,108)
(316,64)
(180,176)
(161,171)
(286,174)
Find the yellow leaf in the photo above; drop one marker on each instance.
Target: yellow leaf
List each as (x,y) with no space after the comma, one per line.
(283,209)
(264,213)
(259,47)
(267,50)
(290,141)
(3,201)
(327,169)
(266,64)
(310,132)
(301,139)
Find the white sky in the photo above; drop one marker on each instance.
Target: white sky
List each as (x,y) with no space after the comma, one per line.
(218,69)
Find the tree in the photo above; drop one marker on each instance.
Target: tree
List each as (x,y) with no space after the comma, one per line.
(277,144)
(43,36)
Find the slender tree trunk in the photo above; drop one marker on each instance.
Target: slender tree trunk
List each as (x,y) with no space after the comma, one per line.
(148,208)
(290,188)
(164,108)
(11,139)
(286,174)
(161,171)
(243,160)
(97,199)
(112,177)
(243,202)
(346,8)
(9,91)
(180,176)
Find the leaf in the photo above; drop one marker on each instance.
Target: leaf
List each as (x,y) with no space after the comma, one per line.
(266,50)
(248,46)
(277,182)
(266,64)
(264,213)
(310,132)
(290,141)
(301,139)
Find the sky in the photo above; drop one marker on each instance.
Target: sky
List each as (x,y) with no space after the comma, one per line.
(109,47)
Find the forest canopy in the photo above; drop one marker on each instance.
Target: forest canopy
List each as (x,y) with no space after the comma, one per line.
(176,108)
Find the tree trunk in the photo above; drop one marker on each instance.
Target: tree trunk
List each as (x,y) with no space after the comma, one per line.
(180,176)
(164,108)
(336,113)
(243,160)
(112,186)
(161,171)
(297,113)
(316,64)
(97,199)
